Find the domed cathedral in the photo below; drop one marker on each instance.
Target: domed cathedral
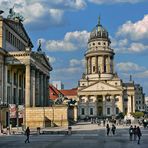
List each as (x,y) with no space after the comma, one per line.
(101,92)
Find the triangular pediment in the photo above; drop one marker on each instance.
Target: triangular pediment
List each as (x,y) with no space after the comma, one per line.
(101,86)
(41,57)
(18,28)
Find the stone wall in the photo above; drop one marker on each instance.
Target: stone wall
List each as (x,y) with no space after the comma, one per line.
(46,116)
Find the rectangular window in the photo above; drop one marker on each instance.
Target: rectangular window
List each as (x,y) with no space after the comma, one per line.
(8,76)
(117,110)
(14,95)
(15,79)
(20,80)
(91,111)
(20,97)
(108,111)
(8,94)
(94,69)
(82,111)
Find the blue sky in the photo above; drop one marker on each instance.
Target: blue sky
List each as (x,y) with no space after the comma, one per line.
(64,27)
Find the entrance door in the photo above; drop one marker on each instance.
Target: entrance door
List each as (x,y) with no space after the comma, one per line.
(100,106)
(7,119)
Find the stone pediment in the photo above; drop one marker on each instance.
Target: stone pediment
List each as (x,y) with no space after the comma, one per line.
(100,86)
(41,58)
(19,29)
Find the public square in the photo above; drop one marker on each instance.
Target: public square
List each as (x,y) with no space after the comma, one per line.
(83,135)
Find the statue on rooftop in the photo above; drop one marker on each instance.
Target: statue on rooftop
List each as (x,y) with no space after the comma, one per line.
(40,44)
(15,16)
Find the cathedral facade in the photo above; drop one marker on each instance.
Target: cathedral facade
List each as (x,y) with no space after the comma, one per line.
(101,92)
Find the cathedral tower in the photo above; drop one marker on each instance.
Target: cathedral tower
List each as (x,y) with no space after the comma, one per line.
(99,55)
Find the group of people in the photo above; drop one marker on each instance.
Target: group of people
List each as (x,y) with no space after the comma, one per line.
(113,129)
(135,132)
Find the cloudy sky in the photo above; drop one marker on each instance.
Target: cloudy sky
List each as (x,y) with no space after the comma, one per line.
(64,27)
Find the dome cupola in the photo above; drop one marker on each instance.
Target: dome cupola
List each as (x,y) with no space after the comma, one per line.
(98,32)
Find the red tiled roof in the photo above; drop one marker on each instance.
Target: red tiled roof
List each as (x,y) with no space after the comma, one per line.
(70,92)
(54,92)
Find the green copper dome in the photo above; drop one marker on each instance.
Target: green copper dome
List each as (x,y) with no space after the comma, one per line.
(99,32)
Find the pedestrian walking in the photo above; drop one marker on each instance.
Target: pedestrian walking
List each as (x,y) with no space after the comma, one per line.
(113,129)
(135,132)
(108,129)
(104,122)
(27,132)
(131,132)
(139,134)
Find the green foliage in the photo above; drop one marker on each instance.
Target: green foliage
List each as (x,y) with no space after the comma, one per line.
(120,115)
(137,114)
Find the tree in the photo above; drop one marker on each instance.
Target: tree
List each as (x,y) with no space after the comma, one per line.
(137,114)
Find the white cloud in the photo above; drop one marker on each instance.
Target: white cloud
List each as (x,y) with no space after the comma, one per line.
(126,46)
(71,42)
(137,47)
(51,59)
(48,12)
(68,70)
(76,62)
(56,15)
(129,66)
(114,1)
(136,31)
(142,74)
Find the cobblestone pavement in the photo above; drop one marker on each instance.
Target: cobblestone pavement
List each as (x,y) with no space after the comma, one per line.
(84,135)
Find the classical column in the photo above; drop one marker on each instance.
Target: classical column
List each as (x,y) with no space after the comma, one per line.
(134,104)
(96,64)
(37,89)
(129,104)
(121,103)
(1,81)
(5,83)
(27,92)
(102,64)
(41,89)
(44,90)
(47,90)
(104,106)
(33,87)
(90,65)
(108,65)
(113,104)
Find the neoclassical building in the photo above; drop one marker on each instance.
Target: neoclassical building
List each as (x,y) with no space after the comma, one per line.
(101,92)
(24,74)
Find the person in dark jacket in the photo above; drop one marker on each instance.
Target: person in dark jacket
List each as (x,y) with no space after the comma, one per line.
(27,132)
(108,129)
(113,129)
(131,132)
(135,132)
(139,134)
